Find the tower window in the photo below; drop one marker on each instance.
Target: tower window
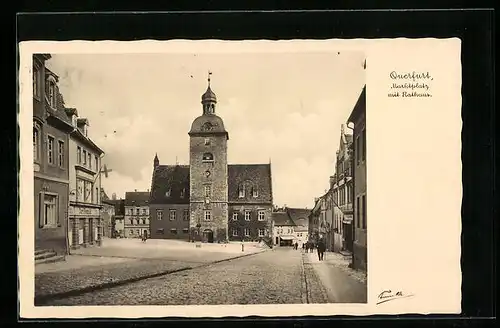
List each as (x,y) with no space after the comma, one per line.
(209,157)
(207,141)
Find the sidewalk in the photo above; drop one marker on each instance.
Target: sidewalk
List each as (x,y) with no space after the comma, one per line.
(343,284)
(92,271)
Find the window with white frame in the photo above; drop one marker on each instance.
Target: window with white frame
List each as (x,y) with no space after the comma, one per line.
(52,94)
(79,154)
(208,216)
(262,232)
(85,157)
(247,232)
(235,232)
(50,149)
(208,191)
(262,215)
(168,193)
(159,215)
(50,215)
(36,82)
(241,191)
(36,144)
(60,153)
(185,230)
(173,215)
(207,141)
(137,211)
(144,211)
(247,215)
(255,192)
(235,216)
(185,214)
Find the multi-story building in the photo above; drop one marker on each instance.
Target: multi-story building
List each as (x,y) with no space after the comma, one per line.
(284,229)
(358,118)
(209,199)
(300,217)
(341,184)
(137,214)
(107,214)
(85,223)
(118,221)
(51,128)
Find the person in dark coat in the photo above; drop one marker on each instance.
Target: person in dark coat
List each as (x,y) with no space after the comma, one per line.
(321,249)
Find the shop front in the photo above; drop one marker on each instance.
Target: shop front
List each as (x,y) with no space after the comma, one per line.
(84,222)
(286,240)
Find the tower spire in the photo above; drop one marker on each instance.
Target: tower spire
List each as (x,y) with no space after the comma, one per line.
(209,74)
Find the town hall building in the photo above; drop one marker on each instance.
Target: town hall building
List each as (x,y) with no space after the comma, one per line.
(210,200)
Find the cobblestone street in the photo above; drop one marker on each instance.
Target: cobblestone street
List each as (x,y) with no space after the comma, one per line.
(281,276)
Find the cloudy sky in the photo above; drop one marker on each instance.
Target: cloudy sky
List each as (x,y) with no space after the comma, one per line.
(287,107)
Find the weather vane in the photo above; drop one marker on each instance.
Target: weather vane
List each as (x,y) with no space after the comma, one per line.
(209,73)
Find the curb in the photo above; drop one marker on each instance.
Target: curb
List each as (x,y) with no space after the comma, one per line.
(39,300)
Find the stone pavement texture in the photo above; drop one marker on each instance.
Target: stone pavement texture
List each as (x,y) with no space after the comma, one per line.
(273,277)
(342,284)
(114,264)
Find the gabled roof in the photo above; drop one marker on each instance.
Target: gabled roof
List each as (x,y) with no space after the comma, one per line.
(300,216)
(137,198)
(282,219)
(250,176)
(173,178)
(360,106)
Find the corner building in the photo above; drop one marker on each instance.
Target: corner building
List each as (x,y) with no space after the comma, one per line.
(211,200)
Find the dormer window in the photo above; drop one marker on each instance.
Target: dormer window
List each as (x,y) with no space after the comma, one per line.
(183,192)
(208,157)
(52,94)
(255,192)
(207,141)
(241,191)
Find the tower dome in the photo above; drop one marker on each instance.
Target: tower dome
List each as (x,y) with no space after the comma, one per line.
(209,96)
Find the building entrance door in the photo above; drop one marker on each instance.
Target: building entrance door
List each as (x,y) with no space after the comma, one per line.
(208,236)
(91,231)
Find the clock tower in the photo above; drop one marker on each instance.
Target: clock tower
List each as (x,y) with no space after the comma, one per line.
(208,173)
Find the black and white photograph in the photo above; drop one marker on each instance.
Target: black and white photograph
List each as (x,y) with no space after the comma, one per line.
(199,179)
(218,178)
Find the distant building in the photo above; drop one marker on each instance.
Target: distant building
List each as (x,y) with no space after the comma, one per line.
(107,214)
(51,129)
(118,222)
(358,118)
(136,214)
(300,216)
(210,200)
(283,229)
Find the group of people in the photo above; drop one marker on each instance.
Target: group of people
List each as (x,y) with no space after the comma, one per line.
(309,246)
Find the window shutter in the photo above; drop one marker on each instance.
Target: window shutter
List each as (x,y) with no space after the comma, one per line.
(41,197)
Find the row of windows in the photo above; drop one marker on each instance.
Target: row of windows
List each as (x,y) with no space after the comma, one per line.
(208,192)
(173,231)
(173,215)
(85,191)
(138,221)
(288,230)
(52,151)
(37,89)
(261,215)
(246,232)
(361,212)
(145,211)
(84,157)
(343,195)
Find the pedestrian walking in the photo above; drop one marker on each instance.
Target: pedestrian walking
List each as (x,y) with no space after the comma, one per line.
(296,246)
(303,247)
(321,249)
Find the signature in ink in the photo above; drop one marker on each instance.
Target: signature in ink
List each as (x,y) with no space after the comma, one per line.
(389,295)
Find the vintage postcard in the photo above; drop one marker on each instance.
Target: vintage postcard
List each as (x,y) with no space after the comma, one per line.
(221,178)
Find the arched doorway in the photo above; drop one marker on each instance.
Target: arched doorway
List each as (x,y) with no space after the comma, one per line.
(208,236)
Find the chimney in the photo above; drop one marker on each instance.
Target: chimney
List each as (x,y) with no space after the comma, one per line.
(113,196)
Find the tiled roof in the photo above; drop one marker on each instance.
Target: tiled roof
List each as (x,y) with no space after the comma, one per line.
(300,216)
(137,198)
(173,178)
(282,219)
(251,176)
